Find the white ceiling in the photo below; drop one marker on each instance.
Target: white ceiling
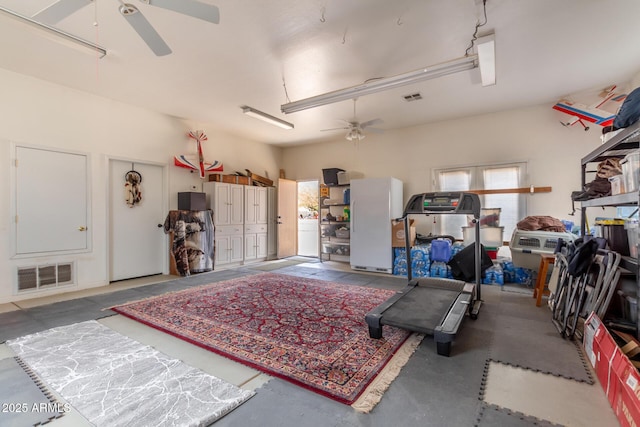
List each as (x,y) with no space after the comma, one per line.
(266,52)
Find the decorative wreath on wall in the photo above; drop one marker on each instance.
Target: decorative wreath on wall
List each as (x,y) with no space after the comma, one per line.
(132,190)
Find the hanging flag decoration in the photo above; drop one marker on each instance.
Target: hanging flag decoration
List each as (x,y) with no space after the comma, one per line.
(200,165)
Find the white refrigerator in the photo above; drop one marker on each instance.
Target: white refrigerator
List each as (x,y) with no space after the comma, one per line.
(374,203)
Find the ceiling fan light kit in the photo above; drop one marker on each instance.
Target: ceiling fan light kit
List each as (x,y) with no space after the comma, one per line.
(355,135)
(252,112)
(56,34)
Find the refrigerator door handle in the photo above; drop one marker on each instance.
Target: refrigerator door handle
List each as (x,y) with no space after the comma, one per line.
(352,213)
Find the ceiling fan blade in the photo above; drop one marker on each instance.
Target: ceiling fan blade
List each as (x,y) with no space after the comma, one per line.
(193,8)
(345,128)
(371,122)
(144,29)
(59,10)
(375,130)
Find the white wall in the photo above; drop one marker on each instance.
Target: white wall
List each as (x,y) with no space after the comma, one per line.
(38,113)
(534,135)
(41,114)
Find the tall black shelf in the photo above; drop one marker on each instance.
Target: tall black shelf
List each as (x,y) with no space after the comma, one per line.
(625,142)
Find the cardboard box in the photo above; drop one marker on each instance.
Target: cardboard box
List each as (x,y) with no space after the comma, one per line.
(236,179)
(627,402)
(605,354)
(618,377)
(230,179)
(397,234)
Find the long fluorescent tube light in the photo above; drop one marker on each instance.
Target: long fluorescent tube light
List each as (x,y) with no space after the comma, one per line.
(426,73)
(486,48)
(58,35)
(266,117)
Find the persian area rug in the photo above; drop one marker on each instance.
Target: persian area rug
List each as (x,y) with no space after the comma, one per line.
(113,380)
(307,331)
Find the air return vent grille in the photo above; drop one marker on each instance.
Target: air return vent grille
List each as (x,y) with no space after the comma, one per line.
(44,276)
(412,97)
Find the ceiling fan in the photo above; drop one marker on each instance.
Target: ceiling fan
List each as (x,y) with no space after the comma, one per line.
(60,9)
(355,129)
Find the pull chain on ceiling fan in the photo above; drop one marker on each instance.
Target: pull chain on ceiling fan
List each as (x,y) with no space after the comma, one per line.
(61,9)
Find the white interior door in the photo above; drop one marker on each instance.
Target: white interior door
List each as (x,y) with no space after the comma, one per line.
(138,245)
(287,217)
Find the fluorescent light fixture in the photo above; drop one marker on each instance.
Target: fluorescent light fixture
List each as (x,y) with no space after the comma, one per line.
(266,117)
(56,34)
(426,73)
(486,48)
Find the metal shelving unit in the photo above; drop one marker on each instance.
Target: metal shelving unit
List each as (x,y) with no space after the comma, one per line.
(625,142)
(333,247)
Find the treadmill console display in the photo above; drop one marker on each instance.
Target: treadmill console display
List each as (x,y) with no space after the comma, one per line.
(441,203)
(444,203)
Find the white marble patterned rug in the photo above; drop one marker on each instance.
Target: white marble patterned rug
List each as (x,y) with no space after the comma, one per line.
(113,380)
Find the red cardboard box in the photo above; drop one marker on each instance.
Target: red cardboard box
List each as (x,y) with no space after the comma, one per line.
(617,375)
(627,401)
(601,351)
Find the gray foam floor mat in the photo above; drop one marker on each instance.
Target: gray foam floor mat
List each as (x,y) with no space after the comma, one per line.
(528,339)
(494,416)
(25,400)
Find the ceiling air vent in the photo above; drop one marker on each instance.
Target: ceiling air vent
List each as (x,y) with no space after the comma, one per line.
(412,97)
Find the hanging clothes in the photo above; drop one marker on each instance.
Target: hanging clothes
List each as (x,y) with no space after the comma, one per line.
(192,249)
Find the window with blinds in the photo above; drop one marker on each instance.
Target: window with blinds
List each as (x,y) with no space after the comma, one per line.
(488,177)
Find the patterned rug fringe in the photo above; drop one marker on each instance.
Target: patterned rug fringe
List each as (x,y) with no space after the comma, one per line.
(373,393)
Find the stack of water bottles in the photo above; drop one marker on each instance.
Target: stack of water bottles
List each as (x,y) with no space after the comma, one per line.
(493,275)
(420,261)
(513,274)
(427,260)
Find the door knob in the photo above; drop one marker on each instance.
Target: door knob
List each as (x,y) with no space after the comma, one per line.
(159,225)
(82,228)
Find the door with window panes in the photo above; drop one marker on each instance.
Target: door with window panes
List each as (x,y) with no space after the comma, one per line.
(488,177)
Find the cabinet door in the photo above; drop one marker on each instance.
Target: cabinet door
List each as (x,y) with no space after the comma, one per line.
(237,253)
(223,250)
(250,252)
(222,207)
(250,205)
(261,245)
(44,198)
(236,215)
(262,205)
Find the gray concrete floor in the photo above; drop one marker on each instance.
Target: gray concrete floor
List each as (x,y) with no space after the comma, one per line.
(477,385)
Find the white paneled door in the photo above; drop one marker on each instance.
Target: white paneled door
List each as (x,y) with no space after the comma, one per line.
(137,240)
(287,217)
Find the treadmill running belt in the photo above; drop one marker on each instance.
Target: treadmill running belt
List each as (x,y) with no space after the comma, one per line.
(421,309)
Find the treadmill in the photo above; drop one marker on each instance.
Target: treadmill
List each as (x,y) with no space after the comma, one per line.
(430,305)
